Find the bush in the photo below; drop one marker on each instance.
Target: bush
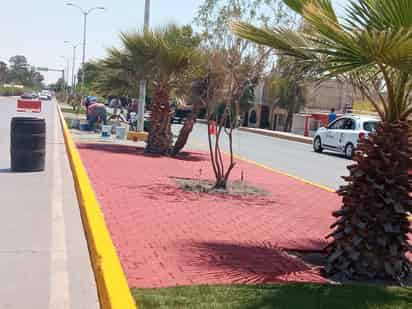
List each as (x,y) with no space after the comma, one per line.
(11,91)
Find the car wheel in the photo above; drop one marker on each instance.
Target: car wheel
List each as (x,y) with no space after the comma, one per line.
(317,145)
(349,151)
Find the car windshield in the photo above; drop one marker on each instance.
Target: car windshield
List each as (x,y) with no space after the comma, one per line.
(370,126)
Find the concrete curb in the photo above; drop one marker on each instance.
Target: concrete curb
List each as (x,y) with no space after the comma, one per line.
(112,286)
(287,136)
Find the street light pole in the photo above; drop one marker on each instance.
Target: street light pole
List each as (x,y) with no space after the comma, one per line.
(84,46)
(66,76)
(142,86)
(74,46)
(85,14)
(73,66)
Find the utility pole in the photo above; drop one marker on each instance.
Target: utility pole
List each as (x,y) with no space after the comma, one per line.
(85,14)
(65,76)
(74,46)
(142,86)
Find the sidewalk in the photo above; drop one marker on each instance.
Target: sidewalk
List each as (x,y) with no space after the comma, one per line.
(278,134)
(44,259)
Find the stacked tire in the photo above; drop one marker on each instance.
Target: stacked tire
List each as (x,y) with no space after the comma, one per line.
(27,144)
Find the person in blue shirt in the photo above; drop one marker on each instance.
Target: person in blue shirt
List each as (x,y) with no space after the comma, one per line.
(332,115)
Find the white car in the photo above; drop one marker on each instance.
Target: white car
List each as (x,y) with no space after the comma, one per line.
(343,134)
(43,96)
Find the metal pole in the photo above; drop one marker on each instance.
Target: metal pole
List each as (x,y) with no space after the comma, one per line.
(146,14)
(73,65)
(67,76)
(142,86)
(84,46)
(64,84)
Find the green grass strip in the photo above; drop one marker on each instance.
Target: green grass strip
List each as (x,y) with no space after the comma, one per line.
(282,296)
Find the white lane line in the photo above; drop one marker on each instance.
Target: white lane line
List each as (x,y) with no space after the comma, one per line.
(59,279)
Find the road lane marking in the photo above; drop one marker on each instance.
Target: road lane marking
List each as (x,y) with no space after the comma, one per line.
(266,167)
(199,144)
(59,297)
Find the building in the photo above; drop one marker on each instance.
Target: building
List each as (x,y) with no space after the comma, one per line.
(320,100)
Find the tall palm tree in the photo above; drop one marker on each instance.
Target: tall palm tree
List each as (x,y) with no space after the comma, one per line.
(162,56)
(371,47)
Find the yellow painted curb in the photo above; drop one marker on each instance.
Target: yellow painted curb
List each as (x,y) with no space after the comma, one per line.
(285,174)
(112,287)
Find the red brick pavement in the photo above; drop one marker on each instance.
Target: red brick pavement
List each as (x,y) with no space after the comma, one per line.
(167,237)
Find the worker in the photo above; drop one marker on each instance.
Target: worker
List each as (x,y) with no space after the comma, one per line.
(97,114)
(332,116)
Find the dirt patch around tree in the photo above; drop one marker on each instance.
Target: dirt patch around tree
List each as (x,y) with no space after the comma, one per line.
(238,188)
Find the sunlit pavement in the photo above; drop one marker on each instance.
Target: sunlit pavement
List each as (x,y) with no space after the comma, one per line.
(44,260)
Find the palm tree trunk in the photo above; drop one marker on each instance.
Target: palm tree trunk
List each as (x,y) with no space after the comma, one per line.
(186,130)
(370,237)
(288,122)
(160,136)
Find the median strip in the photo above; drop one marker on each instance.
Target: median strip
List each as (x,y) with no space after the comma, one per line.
(112,286)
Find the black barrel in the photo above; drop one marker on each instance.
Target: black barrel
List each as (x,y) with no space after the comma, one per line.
(27,144)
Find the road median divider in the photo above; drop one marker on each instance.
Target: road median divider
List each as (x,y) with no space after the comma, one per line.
(112,286)
(281,135)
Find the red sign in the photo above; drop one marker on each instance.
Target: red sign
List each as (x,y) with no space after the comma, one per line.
(30,106)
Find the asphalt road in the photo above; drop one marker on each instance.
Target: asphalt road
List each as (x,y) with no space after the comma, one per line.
(44,260)
(294,158)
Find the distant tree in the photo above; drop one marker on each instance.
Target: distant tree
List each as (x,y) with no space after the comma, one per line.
(20,72)
(3,72)
(285,87)
(59,86)
(91,71)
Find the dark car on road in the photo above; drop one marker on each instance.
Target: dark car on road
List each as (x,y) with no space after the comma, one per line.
(180,115)
(29,95)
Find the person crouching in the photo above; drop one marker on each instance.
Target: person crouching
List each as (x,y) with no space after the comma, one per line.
(97,115)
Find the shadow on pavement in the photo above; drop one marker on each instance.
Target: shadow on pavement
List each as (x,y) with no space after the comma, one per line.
(5,170)
(133,150)
(247,263)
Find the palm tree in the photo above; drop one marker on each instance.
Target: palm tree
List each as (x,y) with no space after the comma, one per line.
(286,88)
(372,48)
(164,57)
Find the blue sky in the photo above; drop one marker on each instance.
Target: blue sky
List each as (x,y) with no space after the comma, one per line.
(38,28)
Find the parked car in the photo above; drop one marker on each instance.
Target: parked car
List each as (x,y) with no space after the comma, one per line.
(29,95)
(343,134)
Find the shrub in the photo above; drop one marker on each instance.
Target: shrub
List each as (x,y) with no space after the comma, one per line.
(11,91)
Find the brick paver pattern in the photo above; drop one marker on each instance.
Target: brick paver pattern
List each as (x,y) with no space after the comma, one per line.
(166,236)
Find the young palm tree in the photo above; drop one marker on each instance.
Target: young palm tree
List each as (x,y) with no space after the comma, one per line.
(371,47)
(162,56)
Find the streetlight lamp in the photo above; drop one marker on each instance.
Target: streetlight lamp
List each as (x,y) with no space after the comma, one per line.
(142,88)
(85,14)
(74,46)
